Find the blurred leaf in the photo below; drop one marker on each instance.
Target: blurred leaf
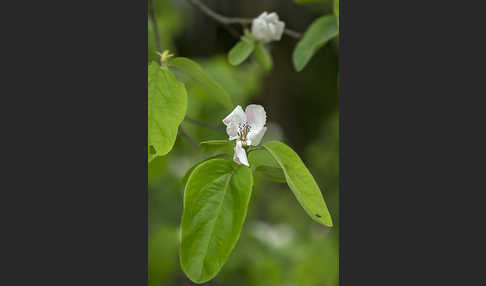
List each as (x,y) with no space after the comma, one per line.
(300,182)
(319,32)
(336,11)
(195,74)
(162,254)
(317,263)
(155,168)
(216,147)
(243,81)
(216,200)
(241,51)
(272,173)
(167,103)
(263,56)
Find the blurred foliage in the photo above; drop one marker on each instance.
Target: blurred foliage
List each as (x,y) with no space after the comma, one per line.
(279,244)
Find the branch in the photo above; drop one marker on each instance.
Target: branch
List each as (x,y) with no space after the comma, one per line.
(156,28)
(191,140)
(220,18)
(203,124)
(234,20)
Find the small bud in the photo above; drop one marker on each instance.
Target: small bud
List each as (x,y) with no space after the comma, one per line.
(164,57)
(267,27)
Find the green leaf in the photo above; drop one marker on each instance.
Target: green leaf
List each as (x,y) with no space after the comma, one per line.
(336,11)
(193,72)
(216,200)
(272,173)
(189,172)
(262,162)
(167,104)
(241,51)
(263,56)
(216,147)
(300,182)
(151,153)
(319,32)
(259,158)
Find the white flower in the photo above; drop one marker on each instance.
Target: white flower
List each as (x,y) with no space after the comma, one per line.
(267,27)
(247,127)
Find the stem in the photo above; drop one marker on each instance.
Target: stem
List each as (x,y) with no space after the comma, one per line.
(188,137)
(234,20)
(220,18)
(293,34)
(203,124)
(156,28)
(254,149)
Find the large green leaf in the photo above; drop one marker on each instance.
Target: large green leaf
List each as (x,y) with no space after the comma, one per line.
(263,56)
(319,32)
(194,74)
(216,147)
(167,103)
(241,51)
(258,158)
(216,200)
(189,172)
(262,162)
(272,173)
(300,182)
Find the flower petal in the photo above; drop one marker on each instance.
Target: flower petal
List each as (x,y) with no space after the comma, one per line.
(256,116)
(233,121)
(272,17)
(259,29)
(240,154)
(236,116)
(255,137)
(279,27)
(232,131)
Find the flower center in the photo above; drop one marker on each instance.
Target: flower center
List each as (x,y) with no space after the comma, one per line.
(243,130)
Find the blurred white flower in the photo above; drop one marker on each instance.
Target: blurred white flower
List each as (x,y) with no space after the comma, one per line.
(277,236)
(267,27)
(247,127)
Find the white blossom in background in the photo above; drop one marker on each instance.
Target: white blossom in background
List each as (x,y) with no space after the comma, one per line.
(267,27)
(277,236)
(247,127)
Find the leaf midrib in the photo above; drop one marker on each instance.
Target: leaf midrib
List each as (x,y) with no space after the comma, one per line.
(291,184)
(213,223)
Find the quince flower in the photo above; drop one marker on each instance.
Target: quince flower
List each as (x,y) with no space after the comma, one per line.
(247,127)
(267,27)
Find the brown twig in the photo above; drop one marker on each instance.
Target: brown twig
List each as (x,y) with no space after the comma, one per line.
(234,20)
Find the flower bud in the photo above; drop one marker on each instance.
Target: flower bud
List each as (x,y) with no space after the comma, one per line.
(267,27)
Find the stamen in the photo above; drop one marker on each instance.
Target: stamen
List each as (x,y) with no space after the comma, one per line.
(243,130)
